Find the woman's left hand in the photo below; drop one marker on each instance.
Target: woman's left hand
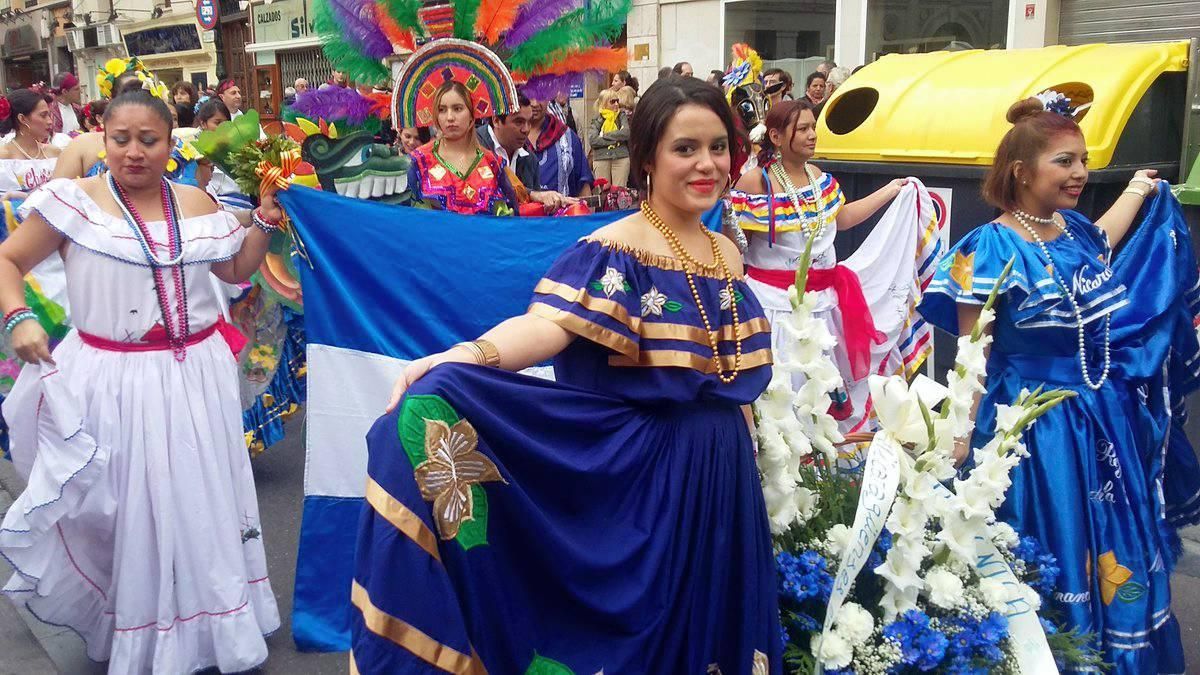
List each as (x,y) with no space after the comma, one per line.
(896,186)
(1147,177)
(269,207)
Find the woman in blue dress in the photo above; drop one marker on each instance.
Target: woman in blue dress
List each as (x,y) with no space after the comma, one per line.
(1113,331)
(612,520)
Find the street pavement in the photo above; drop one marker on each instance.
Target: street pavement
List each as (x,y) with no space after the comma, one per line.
(28,647)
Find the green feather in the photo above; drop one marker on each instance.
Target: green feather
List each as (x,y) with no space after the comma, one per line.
(465,14)
(575,31)
(340,53)
(404,13)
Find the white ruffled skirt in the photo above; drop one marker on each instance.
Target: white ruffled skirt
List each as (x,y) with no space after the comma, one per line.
(139,527)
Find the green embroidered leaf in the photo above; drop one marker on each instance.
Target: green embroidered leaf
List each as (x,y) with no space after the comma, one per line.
(473,532)
(672,306)
(411,425)
(1131,591)
(738,297)
(544,666)
(596,286)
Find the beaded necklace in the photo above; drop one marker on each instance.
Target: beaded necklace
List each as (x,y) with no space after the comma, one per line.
(718,263)
(1025,219)
(175,323)
(815,225)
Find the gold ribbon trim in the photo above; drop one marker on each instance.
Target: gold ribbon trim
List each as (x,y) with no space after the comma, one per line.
(409,637)
(402,518)
(279,177)
(586,329)
(581,297)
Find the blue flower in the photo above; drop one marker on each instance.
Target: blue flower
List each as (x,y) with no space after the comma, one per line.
(971,638)
(920,644)
(1027,549)
(804,576)
(805,623)
(963,666)
(1048,626)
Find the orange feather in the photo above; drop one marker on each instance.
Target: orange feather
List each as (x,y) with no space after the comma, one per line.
(396,35)
(606,59)
(495,17)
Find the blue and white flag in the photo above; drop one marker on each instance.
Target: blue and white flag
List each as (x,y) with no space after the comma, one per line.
(387,284)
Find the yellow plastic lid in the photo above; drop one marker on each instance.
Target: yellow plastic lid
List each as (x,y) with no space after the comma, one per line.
(949,107)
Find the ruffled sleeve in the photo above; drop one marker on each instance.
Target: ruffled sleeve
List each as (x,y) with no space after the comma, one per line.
(589,291)
(971,268)
(70,211)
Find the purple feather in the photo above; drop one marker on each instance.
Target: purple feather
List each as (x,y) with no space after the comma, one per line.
(546,87)
(536,15)
(357,19)
(340,105)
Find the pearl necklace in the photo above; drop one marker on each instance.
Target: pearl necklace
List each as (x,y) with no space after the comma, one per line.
(1025,219)
(176,324)
(814,226)
(718,262)
(41,150)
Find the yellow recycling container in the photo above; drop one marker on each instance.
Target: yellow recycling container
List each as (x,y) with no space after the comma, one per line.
(949,107)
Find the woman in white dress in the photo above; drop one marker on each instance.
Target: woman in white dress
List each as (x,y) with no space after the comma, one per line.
(867,301)
(139,526)
(27,160)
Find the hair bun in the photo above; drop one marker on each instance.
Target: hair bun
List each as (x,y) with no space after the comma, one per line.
(1024,108)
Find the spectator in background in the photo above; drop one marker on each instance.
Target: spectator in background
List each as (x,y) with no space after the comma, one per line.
(289,96)
(683,69)
(621,79)
(826,67)
(231,95)
(301,85)
(410,139)
(814,88)
(93,115)
(777,85)
(834,80)
(64,110)
(715,77)
(665,72)
(211,114)
(609,139)
(338,79)
(560,107)
(185,93)
(562,162)
(507,136)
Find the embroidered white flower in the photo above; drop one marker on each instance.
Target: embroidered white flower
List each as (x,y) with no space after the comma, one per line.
(653,301)
(726,298)
(835,651)
(945,588)
(612,281)
(855,623)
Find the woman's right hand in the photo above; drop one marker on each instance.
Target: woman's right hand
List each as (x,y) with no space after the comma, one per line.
(417,369)
(31,343)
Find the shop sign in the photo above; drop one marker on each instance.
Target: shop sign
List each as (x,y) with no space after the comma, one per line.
(282,20)
(207,14)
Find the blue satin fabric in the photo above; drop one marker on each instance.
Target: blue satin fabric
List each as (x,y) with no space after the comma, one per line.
(630,534)
(1091,489)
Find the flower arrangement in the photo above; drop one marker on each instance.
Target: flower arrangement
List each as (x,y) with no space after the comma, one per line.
(949,588)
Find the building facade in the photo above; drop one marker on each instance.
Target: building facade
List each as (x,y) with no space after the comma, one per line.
(284,48)
(798,34)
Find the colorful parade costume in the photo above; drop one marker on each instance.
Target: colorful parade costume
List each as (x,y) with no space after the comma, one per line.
(868,300)
(139,527)
(483,188)
(1091,488)
(610,521)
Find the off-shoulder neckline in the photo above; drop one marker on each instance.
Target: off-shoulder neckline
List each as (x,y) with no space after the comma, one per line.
(658,260)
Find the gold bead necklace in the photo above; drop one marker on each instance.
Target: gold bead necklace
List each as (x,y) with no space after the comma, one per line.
(717,264)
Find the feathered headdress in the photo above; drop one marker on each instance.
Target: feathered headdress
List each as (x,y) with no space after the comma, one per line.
(115,68)
(546,43)
(746,68)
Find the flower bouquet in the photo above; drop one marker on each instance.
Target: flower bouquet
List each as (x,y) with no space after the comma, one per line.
(947,587)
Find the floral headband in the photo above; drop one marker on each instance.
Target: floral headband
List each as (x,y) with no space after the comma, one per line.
(1060,104)
(115,68)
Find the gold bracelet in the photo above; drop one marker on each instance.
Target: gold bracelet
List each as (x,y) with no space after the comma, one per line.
(491,355)
(473,350)
(1135,191)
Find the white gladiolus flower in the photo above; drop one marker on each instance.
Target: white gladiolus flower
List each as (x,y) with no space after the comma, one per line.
(896,602)
(855,623)
(837,538)
(971,355)
(945,588)
(806,502)
(907,518)
(1007,417)
(835,651)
